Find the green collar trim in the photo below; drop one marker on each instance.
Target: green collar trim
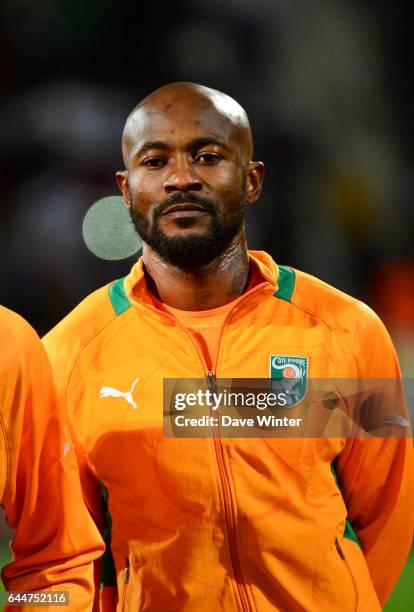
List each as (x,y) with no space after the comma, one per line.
(119,299)
(121,303)
(286,283)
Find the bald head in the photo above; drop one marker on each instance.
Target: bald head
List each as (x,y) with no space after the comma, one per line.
(188,175)
(200,107)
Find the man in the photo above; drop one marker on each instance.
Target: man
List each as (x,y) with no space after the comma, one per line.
(223,524)
(55,541)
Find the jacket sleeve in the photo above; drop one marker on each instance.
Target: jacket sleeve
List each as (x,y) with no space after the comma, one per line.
(376,474)
(93,492)
(96,499)
(55,540)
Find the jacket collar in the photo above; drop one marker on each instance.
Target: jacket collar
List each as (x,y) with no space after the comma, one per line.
(137,290)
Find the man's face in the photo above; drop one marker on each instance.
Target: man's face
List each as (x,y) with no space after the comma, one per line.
(185,180)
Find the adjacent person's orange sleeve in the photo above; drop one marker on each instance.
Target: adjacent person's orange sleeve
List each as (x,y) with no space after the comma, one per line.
(55,541)
(376,476)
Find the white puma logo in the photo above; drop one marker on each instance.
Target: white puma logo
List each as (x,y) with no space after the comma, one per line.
(127,395)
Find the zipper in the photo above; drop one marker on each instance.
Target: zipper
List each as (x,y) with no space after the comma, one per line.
(342,556)
(229,509)
(125,580)
(211,380)
(225,478)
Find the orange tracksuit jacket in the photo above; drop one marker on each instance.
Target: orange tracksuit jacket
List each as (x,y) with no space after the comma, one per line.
(55,541)
(233,524)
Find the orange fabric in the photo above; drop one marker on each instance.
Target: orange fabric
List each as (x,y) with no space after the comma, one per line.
(234,524)
(206,325)
(55,541)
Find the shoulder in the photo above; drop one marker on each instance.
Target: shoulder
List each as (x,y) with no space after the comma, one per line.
(338,310)
(357,325)
(14,328)
(91,318)
(19,341)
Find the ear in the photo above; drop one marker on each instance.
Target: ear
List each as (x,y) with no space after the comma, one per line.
(122,180)
(255,174)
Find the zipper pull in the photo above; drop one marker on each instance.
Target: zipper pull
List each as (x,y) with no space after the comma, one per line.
(126,571)
(211,380)
(339,549)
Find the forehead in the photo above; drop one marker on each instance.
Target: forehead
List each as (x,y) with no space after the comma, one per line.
(177,119)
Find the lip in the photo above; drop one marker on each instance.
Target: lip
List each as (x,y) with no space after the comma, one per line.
(186,214)
(185,210)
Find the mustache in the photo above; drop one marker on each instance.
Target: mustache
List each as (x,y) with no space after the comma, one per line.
(182,198)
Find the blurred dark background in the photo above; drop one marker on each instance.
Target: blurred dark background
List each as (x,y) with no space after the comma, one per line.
(327,86)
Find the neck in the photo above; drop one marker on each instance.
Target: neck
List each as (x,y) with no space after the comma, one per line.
(210,286)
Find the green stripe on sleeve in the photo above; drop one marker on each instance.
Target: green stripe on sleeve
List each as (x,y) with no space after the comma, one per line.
(349,533)
(119,300)
(286,283)
(108,574)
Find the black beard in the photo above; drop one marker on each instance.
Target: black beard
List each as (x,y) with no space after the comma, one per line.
(197,250)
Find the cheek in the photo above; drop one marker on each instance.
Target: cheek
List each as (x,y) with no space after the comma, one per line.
(225,181)
(140,201)
(143,193)
(145,183)
(231,194)
(137,186)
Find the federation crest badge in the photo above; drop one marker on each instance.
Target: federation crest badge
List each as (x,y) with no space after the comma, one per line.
(288,375)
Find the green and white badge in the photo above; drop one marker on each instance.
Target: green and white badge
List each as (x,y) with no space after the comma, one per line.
(288,375)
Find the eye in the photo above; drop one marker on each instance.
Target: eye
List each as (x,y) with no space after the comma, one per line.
(208,158)
(154,162)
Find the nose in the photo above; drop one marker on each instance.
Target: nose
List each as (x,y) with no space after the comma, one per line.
(183,178)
